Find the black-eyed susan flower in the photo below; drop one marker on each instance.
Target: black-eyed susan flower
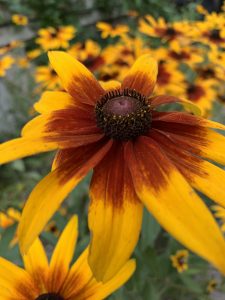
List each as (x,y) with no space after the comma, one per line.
(161,29)
(219,213)
(47,77)
(9,217)
(55,38)
(108,30)
(211,286)
(140,156)
(41,280)
(180,260)
(5,63)
(202,93)
(20,20)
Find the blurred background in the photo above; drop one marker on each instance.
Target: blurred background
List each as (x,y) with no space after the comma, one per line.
(188,40)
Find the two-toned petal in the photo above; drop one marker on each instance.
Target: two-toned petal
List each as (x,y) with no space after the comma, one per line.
(115,215)
(80,283)
(172,201)
(62,256)
(142,75)
(76,78)
(47,196)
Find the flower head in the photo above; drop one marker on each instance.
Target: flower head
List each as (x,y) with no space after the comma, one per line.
(55,38)
(19,20)
(110,31)
(57,280)
(140,156)
(180,260)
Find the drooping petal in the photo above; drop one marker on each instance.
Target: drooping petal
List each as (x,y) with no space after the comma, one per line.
(15,282)
(202,175)
(185,118)
(174,204)
(80,283)
(76,78)
(165,99)
(47,196)
(113,205)
(194,136)
(142,76)
(36,264)
(51,101)
(25,146)
(62,255)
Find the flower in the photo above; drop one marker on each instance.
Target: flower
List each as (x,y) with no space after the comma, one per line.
(56,280)
(5,64)
(180,260)
(140,156)
(47,77)
(9,217)
(54,38)
(19,20)
(110,31)
(211,286)
(219,213)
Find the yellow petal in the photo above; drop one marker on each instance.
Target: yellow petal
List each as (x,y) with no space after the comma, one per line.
(76,78)
(80,283)
(51,101)
(142,76)
(62,255)
(16,280)
(22,147)
(117,281)
(113,205)
(211,183)
(47,196)
(174,204)
(36,263)
(214,150)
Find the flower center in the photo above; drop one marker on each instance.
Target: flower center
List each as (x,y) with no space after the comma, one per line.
(49,296)
(123,114)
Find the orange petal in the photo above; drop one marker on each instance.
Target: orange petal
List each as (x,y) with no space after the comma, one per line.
(76,78)
(113,204)
(142,76)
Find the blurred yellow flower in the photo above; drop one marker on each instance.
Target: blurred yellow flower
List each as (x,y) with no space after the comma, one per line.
(219,213)
(180,260)
(108,30)
(5,63)
(212,285)
(20,20)
(47,77)
(9,217)
(55,38)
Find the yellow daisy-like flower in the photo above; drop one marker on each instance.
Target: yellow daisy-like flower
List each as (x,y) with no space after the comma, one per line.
(141,156)
(161,29)
(202,93)
(108,30)
(10,46)
(5,64)
(57,280)
(219,213)
(20,20)
(9,217)
(180,260)
(55,38)
(211,286)
(47,77)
